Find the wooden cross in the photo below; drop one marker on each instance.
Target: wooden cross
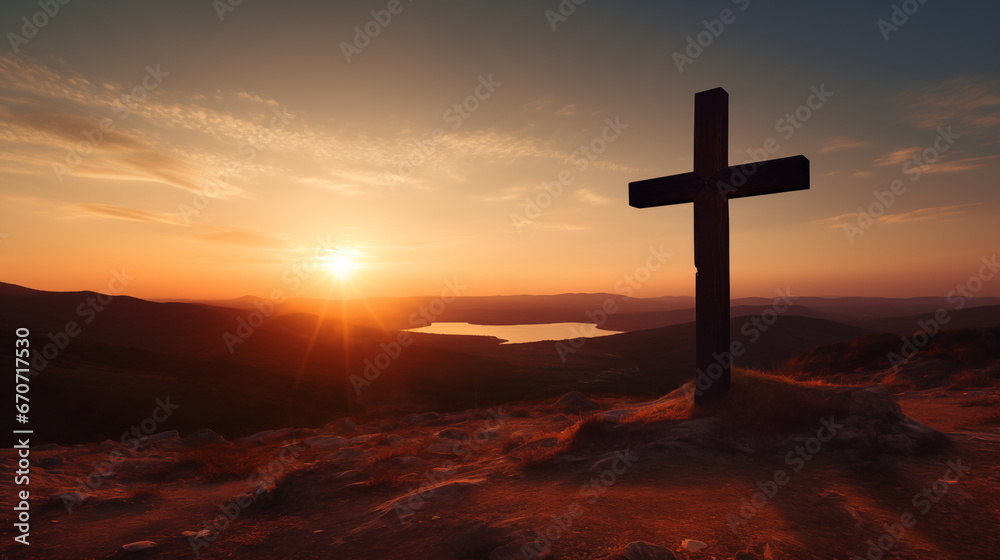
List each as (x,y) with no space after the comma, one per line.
(710,187)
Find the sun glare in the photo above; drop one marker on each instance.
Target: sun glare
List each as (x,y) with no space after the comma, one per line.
(342,264)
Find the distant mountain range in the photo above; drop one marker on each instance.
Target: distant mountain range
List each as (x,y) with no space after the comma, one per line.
(105,361)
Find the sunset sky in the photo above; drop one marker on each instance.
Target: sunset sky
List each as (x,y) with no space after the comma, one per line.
(313,144)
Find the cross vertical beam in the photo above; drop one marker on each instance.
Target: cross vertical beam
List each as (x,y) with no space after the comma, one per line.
(711,242)
(710,186)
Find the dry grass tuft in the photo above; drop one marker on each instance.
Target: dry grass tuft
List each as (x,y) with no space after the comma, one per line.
(143,494)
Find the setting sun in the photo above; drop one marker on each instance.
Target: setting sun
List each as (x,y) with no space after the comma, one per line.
(343,264)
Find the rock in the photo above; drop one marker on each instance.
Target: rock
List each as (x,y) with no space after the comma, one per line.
(482,436)
(394,438)
(576,401)
(615,415)
(349,425)
(197,534)
(361,439)
(421,418)
(745,555)
(692,545)
(137,546)
(640,550)
(445,447)
(876,403)
(162,437)
(269,436)
(453,433)
(48,447)
(325,442)
(205,436)
(348,455)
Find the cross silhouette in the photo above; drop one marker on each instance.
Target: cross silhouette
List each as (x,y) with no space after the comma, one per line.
(710,186)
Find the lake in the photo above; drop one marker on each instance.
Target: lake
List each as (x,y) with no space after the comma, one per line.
(519,333)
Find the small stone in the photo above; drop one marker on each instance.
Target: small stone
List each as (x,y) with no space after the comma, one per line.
(576,401)
(692,545)
(197,534)
(205,436)
(137,546)
(453,433)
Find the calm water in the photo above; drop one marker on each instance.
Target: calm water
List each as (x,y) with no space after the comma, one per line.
(519,333)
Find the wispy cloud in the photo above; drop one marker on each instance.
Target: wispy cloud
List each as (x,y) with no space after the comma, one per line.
(898,156)
(234,236)
(919,215)
(946,163)
(592,197)
(124,213)
(969,103)
(837,143)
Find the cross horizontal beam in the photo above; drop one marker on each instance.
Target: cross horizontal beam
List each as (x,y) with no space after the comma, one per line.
(664,191)
(736,181)
(765,177)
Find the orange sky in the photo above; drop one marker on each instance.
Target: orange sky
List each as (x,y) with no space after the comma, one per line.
(310,146)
